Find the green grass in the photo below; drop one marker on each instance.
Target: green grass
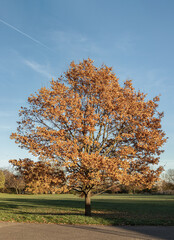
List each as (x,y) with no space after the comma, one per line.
(106,209)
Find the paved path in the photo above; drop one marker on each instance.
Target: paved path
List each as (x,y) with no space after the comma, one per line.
(31,231)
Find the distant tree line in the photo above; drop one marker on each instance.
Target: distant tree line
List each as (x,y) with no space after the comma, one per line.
(164,185)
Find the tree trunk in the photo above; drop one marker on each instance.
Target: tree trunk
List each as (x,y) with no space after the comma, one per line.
(17,191)
(88,204)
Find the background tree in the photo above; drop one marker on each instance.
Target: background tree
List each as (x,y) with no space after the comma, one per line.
(2,179)
(40,177)
(18,184)
(169,176)
(99,131)
(166,183)
(13,181)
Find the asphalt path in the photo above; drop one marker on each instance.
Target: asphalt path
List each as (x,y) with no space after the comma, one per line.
(32,231)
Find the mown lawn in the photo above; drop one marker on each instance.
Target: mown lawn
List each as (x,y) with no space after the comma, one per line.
(106,209)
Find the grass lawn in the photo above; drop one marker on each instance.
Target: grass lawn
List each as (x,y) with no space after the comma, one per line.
(106,209)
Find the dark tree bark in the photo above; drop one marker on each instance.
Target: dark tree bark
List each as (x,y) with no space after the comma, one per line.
(88,204)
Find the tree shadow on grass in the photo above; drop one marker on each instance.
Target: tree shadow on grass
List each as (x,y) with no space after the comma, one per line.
(48,203)
(6,204)
(97,205)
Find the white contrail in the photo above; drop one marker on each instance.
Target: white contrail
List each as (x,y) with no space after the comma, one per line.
(25,34)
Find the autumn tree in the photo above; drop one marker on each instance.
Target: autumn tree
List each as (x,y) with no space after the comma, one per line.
(40,177)
(97,130)
(2,179)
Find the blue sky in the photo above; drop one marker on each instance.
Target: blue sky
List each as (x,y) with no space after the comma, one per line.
(39,39)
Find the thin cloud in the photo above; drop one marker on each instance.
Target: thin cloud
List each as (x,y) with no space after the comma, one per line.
(6,113)
(23,33)
(74,43)
(5,128)
(11,100)
(39,69)
(69,37)
(125,43)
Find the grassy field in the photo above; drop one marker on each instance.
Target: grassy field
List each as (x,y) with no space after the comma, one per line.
(106,209)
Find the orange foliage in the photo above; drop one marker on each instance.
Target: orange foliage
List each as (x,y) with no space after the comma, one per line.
(40,177)
(95,129)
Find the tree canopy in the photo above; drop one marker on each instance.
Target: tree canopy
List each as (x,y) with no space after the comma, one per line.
(97,130)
